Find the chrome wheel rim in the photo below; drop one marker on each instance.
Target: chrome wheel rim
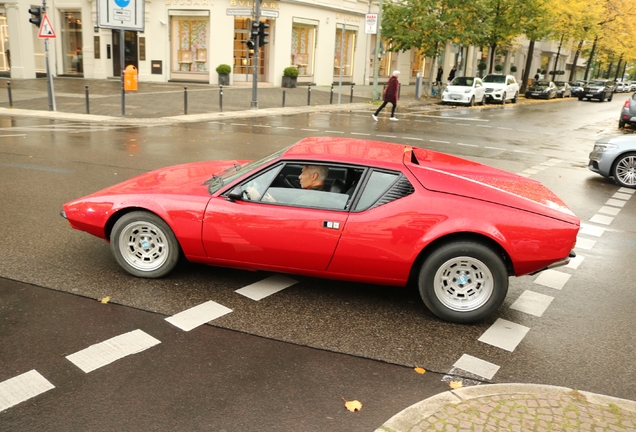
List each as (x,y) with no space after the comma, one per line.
(626,170)
(463,284)
(143,246)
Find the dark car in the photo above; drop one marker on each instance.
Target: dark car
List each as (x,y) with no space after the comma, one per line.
(542,89)
(577,87)
(628,112)
(598,89)
(563,89)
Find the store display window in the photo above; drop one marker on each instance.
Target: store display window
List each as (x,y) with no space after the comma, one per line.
(343,52)
(5,51)
(190,39)
(303,47)
(73,57)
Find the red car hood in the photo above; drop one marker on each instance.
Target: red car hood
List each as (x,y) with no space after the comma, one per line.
(186,179)
(449,174)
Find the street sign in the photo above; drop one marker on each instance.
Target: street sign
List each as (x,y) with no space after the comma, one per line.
(371,24)
(121,14)
(46,29)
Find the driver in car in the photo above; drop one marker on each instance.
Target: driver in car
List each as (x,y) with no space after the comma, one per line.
(312,177)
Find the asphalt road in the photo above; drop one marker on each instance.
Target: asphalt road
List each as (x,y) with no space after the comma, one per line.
(583,339)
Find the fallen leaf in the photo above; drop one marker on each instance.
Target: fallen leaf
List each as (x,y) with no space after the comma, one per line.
(353,405)
(420,370)
(105,300)
(456,384)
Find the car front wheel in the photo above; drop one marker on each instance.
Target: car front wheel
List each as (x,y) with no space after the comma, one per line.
(144,245)
(624,171)
(516,98)
(463,282)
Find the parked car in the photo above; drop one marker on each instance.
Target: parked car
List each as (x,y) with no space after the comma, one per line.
(541,89)
(501,88)
(632,86)
(387,214)
(576,87)
(465,90)
(563,89)
(628,112)
(615,156)
(597,89)
(620,87)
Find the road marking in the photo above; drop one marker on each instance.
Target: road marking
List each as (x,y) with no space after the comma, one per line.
(468,145)
(477,366)
(601,219)
(583,243)
(36,167)
(441,142)
(504,334)
(609,210)
(451,117)
(484,126)
(266,287)
(284,127)
(532,303)
(359,133)
(552,279)
(259,125)
(21,388)
(198,315)
(387,136)
(504,128)
(104,353)
(338,132)
(530,171)
(615,202)
(310,130)
(575,262)
(238,124)
(627,190)
(413,139)
(495,148)
(3,136)
(621,196)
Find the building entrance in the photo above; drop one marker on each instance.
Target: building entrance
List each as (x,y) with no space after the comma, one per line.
(131,48)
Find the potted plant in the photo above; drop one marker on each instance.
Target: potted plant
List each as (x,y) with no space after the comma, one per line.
(290,76)
(224,74)
(513,69)
(498,68)
(482,67)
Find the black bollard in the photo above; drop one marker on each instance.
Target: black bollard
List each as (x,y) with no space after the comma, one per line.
(351,97)
(309,94)
(284,98)
(221,98)
(88,110)
(185,99)
(331,97)
(10,97)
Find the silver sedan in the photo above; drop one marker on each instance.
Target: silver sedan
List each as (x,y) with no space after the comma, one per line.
(615,156)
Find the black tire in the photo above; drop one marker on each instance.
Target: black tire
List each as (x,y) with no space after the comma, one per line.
(580,98)
(609,99)
(480,290)
(472,101)
(624,170)
(144,245)
(601,98)
(483,101)
(503,99)
(621,124)
(516,98)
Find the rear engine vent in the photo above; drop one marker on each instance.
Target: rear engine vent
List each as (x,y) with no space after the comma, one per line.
(400,189)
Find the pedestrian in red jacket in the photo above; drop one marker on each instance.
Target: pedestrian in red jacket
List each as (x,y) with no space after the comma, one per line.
(390,95)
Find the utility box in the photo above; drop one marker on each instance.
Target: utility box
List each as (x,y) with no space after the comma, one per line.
(130,78)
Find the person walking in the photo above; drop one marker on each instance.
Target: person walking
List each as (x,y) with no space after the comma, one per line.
(440,73)
(451,75)
(390,95)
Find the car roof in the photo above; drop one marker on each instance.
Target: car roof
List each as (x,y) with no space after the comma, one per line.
(347,150)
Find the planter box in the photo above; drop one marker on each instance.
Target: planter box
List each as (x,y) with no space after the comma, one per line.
(224,79)
(289,82)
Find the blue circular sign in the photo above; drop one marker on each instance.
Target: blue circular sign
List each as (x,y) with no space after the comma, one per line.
(122,3)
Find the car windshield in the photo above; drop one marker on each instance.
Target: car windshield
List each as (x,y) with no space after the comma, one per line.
(542,84)
(463,81)
(560,83)
(217,181)
(597,83)
(499,79)
(576,84)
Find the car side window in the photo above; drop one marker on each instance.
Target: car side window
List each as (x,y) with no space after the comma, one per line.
(379,182)
(254,189)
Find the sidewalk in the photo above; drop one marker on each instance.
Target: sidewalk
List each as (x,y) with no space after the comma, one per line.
(166,102)
(516,407)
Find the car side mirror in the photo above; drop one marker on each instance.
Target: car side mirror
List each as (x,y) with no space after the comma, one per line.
(235,194)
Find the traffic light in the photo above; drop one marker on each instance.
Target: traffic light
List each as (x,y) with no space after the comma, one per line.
(254,27)
(36,16)
(262,34)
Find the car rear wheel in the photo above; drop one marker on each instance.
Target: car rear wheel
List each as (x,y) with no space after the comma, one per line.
(144,245)
(463,282)
(609,99)
(624,171)
(621,124)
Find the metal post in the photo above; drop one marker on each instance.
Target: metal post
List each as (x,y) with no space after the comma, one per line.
(341,63)
(123,67)
(88,109)
(221,98)
(185,99)
(257,18)
(331,96)
(351,97)
(309,94)
(49,78)
(10,97)
(378,35)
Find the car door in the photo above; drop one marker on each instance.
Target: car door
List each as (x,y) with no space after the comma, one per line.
(480,90)
(271,227)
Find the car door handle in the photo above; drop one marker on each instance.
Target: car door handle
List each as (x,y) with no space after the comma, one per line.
(331,225)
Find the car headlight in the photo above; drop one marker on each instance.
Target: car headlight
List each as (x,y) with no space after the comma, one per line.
(468,90)
(601,148)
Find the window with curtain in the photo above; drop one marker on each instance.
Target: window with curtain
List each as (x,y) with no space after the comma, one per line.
(344,57)
(302,50)
(190,44)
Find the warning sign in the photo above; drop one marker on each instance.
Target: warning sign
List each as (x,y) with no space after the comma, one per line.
(46,29)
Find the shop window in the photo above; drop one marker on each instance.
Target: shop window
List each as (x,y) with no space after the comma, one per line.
(73,57)
(344,57)
(302,50)
(385,58)
(5,52)
(190,44)
(244,57)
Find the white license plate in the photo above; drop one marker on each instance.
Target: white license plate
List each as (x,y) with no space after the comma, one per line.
(535,94)
(456,97)
(588,95)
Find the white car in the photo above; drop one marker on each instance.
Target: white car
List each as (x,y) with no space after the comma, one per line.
(501,88)
(466,91)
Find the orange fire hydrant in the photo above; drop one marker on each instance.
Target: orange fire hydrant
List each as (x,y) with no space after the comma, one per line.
(130,78)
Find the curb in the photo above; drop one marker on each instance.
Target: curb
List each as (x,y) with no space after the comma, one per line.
(406,419)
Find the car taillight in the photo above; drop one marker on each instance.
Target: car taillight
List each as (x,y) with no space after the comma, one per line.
(626,104)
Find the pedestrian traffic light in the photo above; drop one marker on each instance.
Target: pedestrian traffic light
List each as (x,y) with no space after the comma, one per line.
(36,16)
(262,34)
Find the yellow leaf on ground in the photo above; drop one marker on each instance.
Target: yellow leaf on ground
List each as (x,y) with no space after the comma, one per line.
(105,300)
(420,370)
(353,405)
(456,384)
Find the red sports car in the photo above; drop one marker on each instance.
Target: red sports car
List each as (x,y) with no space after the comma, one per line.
(381,213)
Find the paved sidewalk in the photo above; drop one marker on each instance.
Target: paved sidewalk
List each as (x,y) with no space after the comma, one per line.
(516,407)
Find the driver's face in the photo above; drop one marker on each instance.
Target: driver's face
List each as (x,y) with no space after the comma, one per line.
(307,177)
